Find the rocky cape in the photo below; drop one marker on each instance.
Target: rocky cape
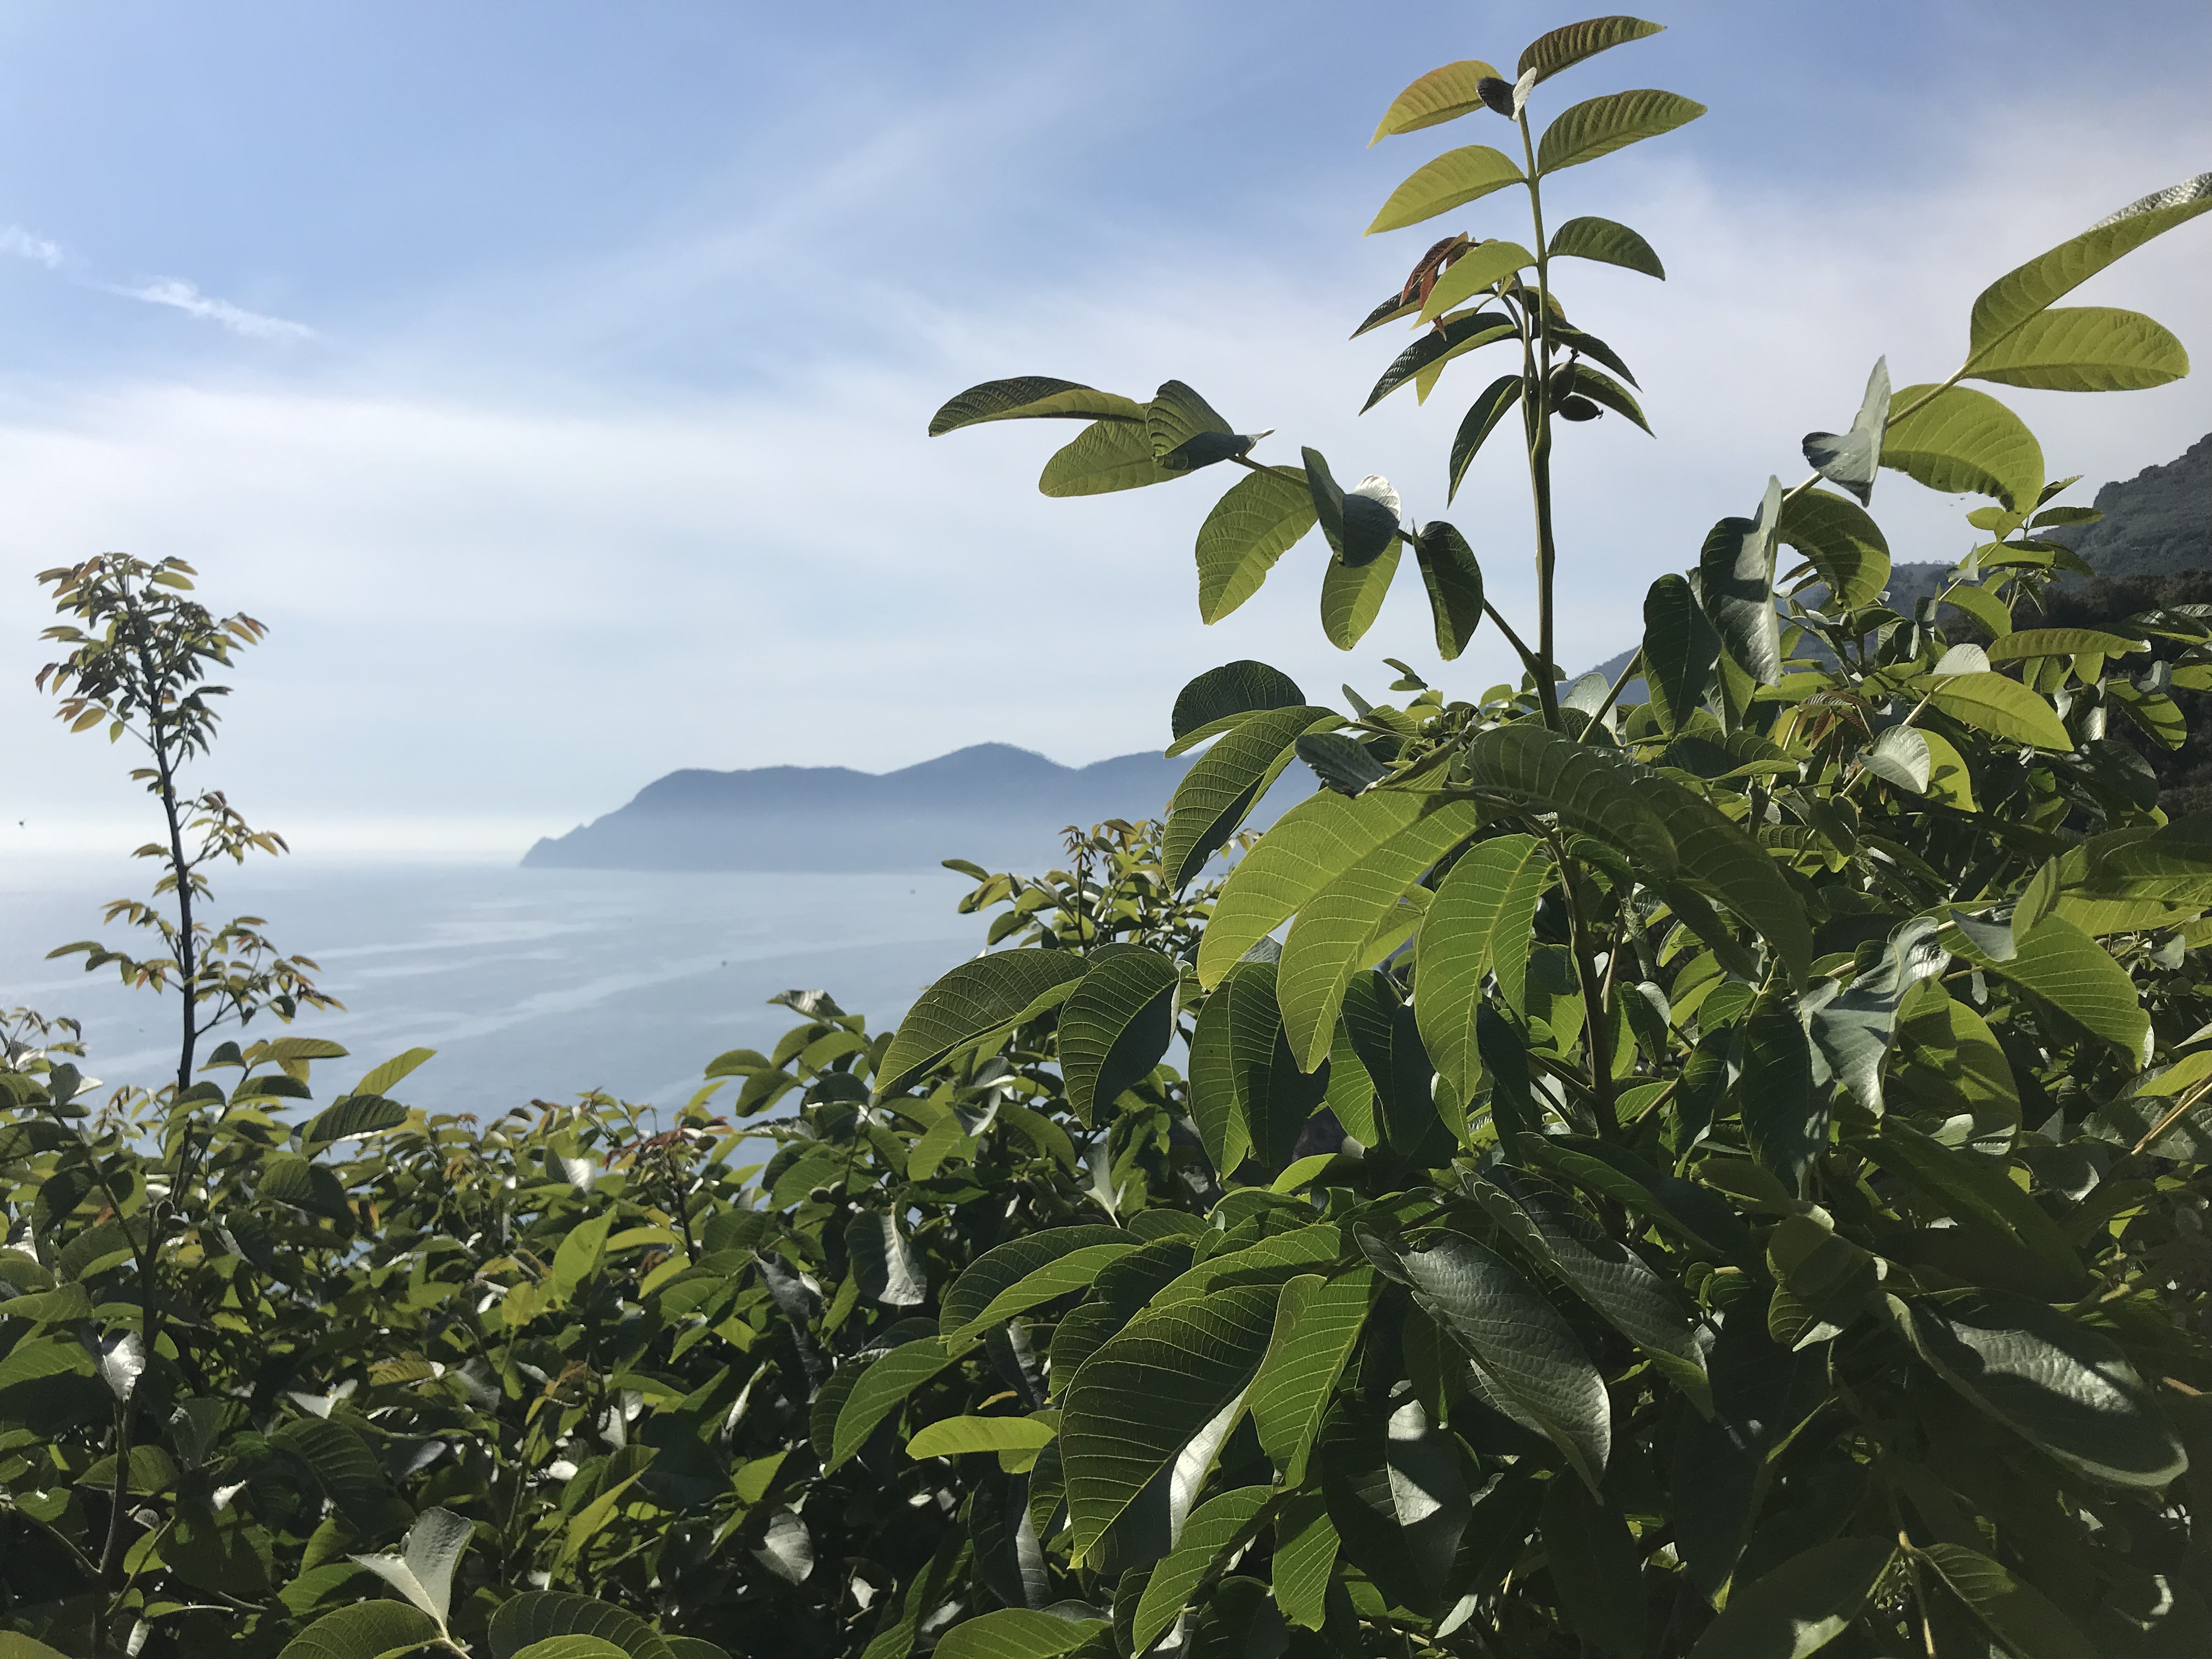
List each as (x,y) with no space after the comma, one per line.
(993,804)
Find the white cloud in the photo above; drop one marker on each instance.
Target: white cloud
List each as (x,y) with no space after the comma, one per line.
(185,297)
(21,244)
(499,611)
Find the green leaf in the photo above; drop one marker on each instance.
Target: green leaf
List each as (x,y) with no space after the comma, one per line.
(1525,1357)
(1784,1114)
(1541,770)
(1964,443)
(1801,1606)
(1262,517)
(977,999)
(1841,542)
(884,1262)
(1428,353)
(381,1078)
(1453,180)
(1114,1027)
(1852,459)
(343,1467)
(2019,293)
(1306,1545)
(1351,597)
(1310,847)
(2078,978)
(2028,642)
(2062,1387)
(367,1629)
(1032,397)
(1563,48)
(1324,947)
(1596,1570)
(1681,651)
(422,1571)
(1215,1081)
(580,1254)
(1611,244)
(536,1614)
(2083,349)
(1224,783)
(1479,922)
(1061,1276)
(1151,1391)
(1482,415)
(973,1300)
(572,1647)
(1106,456)
(1602,125)
(1016,1633)
(1999,704)
(1272,1097)
(1442,95)
(885,1386)
(1480,269)
(1602,388)
(1454,579)
(1736,573)
(1215,1527)
(955,1436)
(356,1114)
(2022,1618)
(1317,1323)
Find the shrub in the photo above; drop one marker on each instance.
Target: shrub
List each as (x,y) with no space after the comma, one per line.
(1721,1175)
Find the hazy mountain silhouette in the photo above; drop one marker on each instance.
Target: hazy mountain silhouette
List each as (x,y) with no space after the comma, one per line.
(991,803)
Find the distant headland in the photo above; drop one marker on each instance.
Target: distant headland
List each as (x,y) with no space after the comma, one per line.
(991,803)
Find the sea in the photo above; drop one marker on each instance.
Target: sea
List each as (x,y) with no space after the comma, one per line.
(529,984)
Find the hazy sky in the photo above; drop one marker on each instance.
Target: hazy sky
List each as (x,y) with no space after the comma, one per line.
(552,378)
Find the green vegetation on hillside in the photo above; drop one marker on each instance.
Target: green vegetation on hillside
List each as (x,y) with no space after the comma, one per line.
(1723,1175)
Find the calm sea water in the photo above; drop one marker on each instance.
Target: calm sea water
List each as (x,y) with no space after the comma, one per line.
(529,983)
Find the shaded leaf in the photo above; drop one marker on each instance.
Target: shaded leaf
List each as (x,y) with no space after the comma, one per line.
(1525,1356)
(2064,1387)
(1032,397)
(1482,415)
(1801,1606)
(1115,1026)
(1681,650)
(1563,48)
(1736,573)
(1611,244)
(1602,125)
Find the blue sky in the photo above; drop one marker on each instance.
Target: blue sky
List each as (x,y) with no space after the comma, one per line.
(551,378)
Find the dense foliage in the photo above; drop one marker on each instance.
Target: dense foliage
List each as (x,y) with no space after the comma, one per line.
(1718,1175)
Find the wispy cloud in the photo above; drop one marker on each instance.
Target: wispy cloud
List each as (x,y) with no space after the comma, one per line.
(185,297)
(23,244)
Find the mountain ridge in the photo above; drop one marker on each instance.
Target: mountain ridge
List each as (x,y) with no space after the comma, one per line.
(992,803)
